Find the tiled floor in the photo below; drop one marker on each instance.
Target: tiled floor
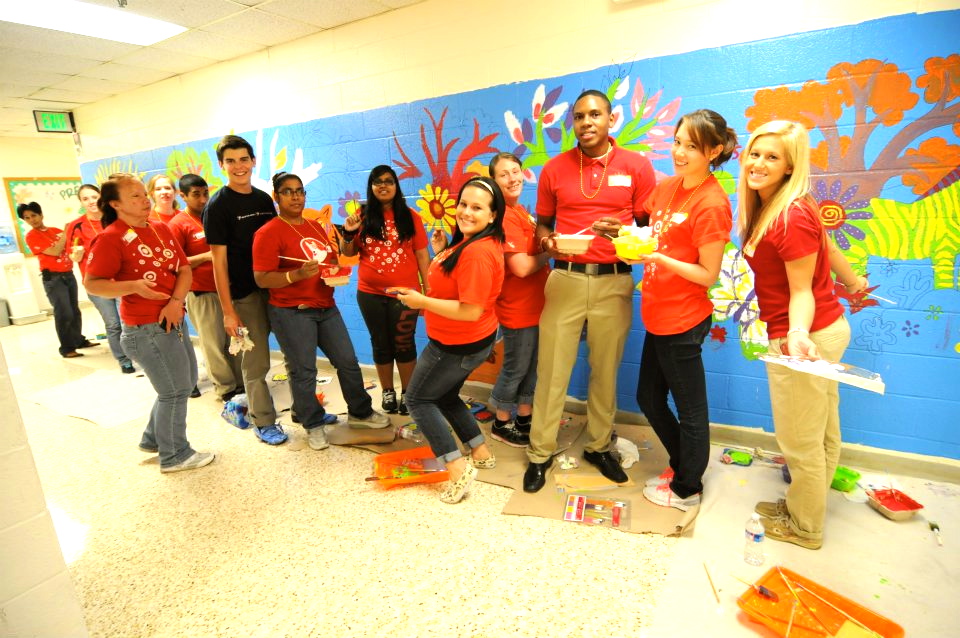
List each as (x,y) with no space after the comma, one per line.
(291,542)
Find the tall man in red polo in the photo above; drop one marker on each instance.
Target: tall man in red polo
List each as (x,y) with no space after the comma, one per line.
(597,185)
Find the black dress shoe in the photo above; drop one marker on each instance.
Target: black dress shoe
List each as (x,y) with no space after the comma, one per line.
(607,465)
(195,392)
(535,476)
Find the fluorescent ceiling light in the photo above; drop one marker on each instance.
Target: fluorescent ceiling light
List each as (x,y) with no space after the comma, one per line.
(95,21)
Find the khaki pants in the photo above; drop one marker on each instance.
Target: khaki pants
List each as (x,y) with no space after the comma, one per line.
(605,303)
(207,317)
(806,418)
(255,363)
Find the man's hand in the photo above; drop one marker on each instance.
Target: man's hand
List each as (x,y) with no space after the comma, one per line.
(608,227)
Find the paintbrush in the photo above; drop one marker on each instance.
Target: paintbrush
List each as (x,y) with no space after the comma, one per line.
(935,528)
(837,609)
(765,592)
(295,258)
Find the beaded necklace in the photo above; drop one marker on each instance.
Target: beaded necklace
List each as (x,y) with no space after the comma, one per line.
(692,193)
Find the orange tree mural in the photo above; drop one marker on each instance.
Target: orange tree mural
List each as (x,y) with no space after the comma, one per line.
(877,95)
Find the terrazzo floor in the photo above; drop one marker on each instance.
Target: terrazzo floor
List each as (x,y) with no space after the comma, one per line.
(286,541)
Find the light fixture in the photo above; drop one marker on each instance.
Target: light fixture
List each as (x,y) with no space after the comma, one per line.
(89,19)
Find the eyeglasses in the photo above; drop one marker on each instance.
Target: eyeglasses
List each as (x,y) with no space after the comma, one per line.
(290,192)
(388,181)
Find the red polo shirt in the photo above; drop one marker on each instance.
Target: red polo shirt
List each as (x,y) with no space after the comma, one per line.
(476,280)
(672,304)
(521,298)
(40,240)
(188,231)
(795,234)
(278,239)
(124,253)
(81,232)
(611,186)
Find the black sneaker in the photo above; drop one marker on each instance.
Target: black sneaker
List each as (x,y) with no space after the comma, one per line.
(509,435)
(389,403)
(195,392)
(522,428)
(402,408)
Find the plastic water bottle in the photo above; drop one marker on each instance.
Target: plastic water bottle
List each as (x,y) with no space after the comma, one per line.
(753,543)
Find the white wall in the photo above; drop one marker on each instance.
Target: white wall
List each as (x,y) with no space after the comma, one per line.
(440,47)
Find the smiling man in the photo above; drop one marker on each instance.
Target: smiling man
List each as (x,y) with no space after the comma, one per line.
(230,219)
(597,186)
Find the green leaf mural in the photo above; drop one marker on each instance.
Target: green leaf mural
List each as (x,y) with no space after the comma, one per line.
(181,162)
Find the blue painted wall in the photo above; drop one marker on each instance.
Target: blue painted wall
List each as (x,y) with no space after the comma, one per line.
(884,99)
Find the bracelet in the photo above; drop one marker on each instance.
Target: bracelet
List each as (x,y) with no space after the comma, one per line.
(177,299)
(792,330)
(287,274)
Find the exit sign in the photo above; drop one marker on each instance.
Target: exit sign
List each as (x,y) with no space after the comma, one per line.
(54,121)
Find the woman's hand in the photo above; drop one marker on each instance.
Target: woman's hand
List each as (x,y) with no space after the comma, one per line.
(860,285)
(171,315)
(353,223)
(438,241)
(645,258)
(145,289)
(409,297)
(800,345)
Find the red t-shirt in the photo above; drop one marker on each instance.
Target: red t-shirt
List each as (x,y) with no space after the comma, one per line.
(124,253)
(160,217)
(672,304)
(390,262)
(277,239)
(620,192)
(81,232)
(521,298)
(476,280)
(188,231)
(40,240)
(795,234)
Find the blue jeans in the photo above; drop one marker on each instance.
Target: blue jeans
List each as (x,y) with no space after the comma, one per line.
(108,309)
(61,289)
(433,399)
(299,333)
(518,374)
(168,360)
(672,364)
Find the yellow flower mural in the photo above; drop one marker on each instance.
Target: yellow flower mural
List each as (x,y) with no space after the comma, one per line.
(437,208)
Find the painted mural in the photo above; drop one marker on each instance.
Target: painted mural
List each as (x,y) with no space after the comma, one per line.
(885,132)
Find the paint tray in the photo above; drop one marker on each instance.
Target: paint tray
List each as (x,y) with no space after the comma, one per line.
(893,504)
(408,466)
(816,614)
(844,479)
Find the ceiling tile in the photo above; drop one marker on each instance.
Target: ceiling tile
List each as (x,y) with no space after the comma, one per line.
(260,27)
(18,60)
(326,14)
(30,77)
(31,104)
(95,85)
(172,61)
(397,4)
(17,117)
(208,45)
(126,73)
(16,90)
(59,95)
(18,36)
(186,13)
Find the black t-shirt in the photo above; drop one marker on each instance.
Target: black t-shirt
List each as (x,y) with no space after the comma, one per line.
(230,219)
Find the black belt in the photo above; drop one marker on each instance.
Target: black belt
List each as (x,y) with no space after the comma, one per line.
(615,268)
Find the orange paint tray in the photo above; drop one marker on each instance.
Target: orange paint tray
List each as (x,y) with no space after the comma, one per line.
(814,616)
(408,466)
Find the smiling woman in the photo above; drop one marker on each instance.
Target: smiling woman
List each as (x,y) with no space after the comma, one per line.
(464,281)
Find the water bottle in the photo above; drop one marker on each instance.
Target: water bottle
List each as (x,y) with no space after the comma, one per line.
(411,432)
(753,543)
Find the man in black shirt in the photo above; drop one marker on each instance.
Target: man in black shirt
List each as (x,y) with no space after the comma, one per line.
(230,219)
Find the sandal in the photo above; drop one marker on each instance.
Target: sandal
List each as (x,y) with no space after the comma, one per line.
(483,464)
(457,489)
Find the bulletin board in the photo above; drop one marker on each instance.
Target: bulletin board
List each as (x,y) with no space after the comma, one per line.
(57,197)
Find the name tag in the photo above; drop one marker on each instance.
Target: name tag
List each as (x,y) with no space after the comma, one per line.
(678,218)
(129,236)
(620,180)
(199,235)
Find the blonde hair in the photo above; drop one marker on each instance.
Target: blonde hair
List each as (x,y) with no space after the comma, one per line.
(754,217)
(153,182)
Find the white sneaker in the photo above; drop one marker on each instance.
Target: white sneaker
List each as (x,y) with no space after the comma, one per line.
(376,421)
(664,477)
(197,459)
(317,438)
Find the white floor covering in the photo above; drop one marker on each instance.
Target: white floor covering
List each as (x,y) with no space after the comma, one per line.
(291,542)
